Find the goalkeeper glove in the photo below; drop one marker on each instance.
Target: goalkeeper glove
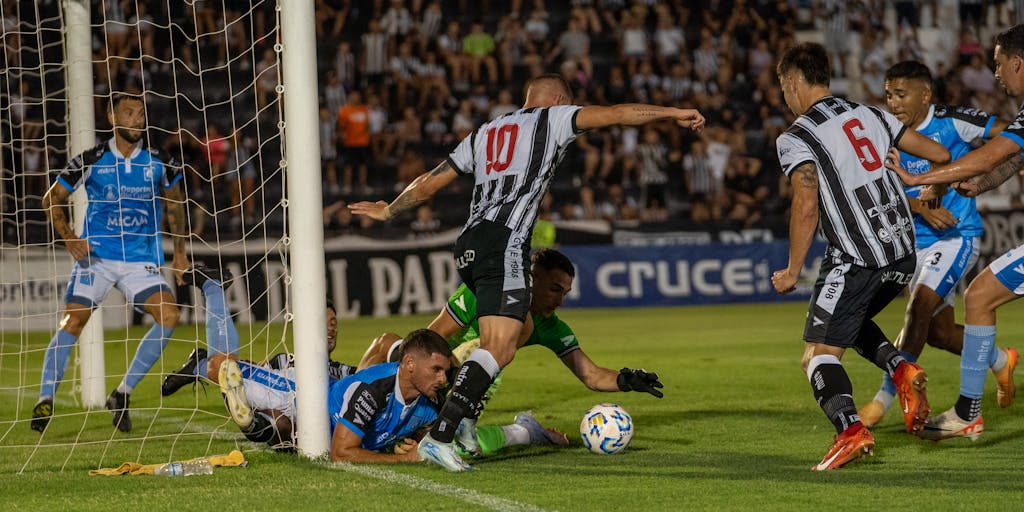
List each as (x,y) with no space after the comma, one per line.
(639,380)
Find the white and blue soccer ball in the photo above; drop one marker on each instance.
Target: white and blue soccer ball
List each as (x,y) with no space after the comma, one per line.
(606,429)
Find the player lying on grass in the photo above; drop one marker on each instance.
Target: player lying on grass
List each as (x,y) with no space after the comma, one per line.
(1002,281)
(948,234)
(553,274)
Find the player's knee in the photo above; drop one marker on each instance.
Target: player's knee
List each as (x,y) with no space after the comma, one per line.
(168,316)
(977,297)
(74,321)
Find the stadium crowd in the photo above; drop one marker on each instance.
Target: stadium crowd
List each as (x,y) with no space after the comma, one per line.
(402,81)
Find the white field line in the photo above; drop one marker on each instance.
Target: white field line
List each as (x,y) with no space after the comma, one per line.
(452,491)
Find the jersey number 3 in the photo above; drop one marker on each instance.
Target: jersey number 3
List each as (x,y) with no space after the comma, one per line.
(866,152)
(501,142)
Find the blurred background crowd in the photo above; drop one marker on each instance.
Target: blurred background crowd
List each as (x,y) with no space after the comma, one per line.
(402,81)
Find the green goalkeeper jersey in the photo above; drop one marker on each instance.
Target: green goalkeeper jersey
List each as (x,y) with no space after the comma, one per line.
(549,332)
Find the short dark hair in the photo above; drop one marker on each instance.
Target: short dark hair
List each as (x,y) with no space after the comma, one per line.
(911,70)
(810,59)
(553,77)
(550,259)
(117,97)
(425,342)
(1012,40)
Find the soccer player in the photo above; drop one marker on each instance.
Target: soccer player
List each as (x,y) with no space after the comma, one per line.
(553,274)
(832,155)
(1001,281)
(512,159)
(120,246)
(948,236)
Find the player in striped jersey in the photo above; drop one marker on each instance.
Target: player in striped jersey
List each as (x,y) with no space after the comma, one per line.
(948,235)
(1003,280)
(833,157)
(512,159)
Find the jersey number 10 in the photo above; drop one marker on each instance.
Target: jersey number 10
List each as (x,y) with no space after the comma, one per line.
(866,152)
(501,142)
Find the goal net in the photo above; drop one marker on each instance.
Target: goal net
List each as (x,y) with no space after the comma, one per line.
(210,76)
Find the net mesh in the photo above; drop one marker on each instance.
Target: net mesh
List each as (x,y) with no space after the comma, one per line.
(209,74)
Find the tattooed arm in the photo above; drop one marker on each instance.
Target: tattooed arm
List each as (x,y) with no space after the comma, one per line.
(174,198)
(422,188)
(803,220)
(594,116)
(992,179)
(55,203)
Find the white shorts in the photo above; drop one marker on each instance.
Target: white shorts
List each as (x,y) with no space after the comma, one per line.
(137,280)
(267,388)
(1009,269)
(942,265)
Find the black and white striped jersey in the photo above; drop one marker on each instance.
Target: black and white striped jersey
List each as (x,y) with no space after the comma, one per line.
(863,211)
(512,159)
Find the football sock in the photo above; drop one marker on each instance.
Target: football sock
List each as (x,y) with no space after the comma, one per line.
(58,352)
(471,382)
(202,367)
(221,335)
(493,438)
(833,391)
(968,408)
(998,360)
(150,348)
(261,430)
(979,343)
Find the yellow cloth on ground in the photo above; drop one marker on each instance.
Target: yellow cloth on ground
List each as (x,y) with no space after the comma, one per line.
(233,459)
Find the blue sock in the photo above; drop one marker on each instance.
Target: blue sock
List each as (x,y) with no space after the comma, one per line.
(221,335)
(201,367)
(58,352)
(150,348)
(887,384)
(979,346)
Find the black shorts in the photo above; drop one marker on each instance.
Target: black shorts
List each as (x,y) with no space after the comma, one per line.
(354,155)
(846,295)
(494,264)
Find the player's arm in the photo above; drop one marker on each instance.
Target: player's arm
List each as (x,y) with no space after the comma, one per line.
(174,198)
(422,188)
(631,114)
(976,162)
(803,220)
(345,447)
(444,324)
(598,378)
(997,127)
(916,144)
(990,180)
(54,202)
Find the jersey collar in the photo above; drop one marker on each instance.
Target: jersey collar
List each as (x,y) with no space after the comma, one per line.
(927,118)
(113,149)
(398,392)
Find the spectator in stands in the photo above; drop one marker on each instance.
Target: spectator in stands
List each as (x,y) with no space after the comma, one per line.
(503,106)
(345,66)
(408,130)
(703,187)
(574,44)
(374,63)
(354,134)
(652,161)
(241,177)
(449,45)
(431,79)
(266,78)
(478,48)
(328,148)
(397,21)
(426,223)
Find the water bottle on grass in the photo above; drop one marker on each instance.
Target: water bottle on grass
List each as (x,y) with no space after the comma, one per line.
(186,468)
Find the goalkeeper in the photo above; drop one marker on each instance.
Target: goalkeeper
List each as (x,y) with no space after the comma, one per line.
(553,274)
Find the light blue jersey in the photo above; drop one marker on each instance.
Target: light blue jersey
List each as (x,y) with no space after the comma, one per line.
(955,128)
(123,218)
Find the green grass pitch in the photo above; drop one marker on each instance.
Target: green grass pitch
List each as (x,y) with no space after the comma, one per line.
(738,429)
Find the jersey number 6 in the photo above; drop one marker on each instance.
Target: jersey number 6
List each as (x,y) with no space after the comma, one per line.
(501,142)
(866,152)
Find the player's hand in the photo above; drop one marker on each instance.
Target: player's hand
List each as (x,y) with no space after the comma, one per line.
(375,211)
(407,450)
(784,281)
(77,247)
(892,162)
(690,118)
(967,188)
(932,195)
(939,218)
(180,264)
(639,380)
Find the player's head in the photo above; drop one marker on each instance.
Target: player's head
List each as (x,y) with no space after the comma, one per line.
(908,91)
(332,326)
(547,90)
(1009,57)
(552,279)
(425,361)
(801,68)
(127,115)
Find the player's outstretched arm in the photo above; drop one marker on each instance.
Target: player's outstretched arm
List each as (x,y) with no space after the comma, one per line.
(345,448)
(597,378)
(54,202)
(595,116)
(979,161)
(803,220)
(916,144)
(422,188)
(990,180)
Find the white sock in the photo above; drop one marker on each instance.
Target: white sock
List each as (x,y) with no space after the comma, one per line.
(885,398)
(516,435)
(124,389)
(1000,361)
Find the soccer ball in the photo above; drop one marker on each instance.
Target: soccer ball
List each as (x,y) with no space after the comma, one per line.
(606,429)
